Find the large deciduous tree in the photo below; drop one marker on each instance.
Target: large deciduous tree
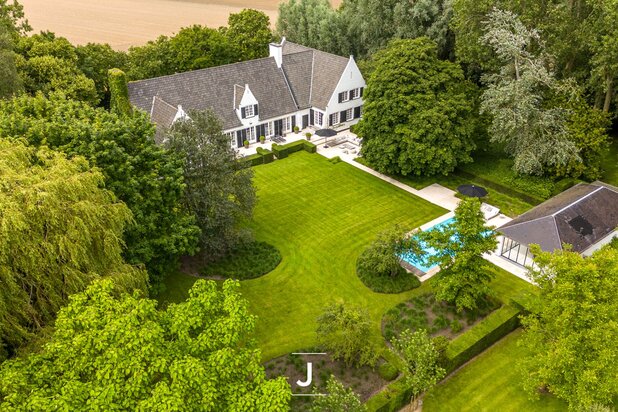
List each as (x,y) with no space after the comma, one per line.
(534,133)
(419,112)
(420,359)
(572,331)
(10,83)
(146,177)
(249,33)
(47,63)
(343,331)
(219,189)
(122,353)
(382,256)
(464,274)
(60,230)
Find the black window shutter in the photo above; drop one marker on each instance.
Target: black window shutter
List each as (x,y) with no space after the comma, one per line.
(361,91)
(342,116)
(255,109)
(243,112)
(357,111)
(311,122)
(331,119)
(340,97)
(293,121)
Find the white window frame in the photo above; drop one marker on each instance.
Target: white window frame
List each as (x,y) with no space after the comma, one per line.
(318,118)
(251,134)
(287,124)
(346,96)
(349,114)
(249,112)
(232,137)
(268,129)
(355,93)
(335,118)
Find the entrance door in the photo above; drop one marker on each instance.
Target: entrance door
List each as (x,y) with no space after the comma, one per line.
(241,136)
(305,121)
(278,127)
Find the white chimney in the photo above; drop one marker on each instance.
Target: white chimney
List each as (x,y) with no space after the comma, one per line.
(276,51)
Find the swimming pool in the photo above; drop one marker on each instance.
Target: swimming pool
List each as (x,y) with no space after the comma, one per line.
(417,261)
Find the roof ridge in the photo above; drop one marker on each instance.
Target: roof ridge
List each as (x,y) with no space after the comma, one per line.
(201,70)
(576,201)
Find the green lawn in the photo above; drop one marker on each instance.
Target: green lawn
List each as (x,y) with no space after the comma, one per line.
(320,216)
(489,383)
(610,164)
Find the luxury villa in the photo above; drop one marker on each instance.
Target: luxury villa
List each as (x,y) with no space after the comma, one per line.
(294,86)
(584,216)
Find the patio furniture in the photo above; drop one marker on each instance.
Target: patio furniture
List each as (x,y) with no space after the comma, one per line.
(489,211)
(472,190)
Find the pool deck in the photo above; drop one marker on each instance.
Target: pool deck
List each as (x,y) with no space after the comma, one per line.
(435,193)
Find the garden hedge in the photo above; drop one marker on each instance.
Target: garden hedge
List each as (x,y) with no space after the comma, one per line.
(494,327)
(283,151)
(481,336)
(262,156)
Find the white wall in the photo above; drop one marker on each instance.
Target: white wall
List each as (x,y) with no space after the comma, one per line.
(248,99)
(600,243)
(351,78)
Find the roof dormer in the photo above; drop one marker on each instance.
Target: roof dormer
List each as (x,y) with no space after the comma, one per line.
(245,103)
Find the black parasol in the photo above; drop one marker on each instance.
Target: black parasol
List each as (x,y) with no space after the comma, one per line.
(472,191)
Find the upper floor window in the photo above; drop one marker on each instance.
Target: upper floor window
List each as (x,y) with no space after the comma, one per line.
(249,111)
(355,93)
(344,96)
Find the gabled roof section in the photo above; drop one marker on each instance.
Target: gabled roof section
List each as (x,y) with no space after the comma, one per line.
(214,88)
(313,72)
(162,114)
(579,216)
(239,92)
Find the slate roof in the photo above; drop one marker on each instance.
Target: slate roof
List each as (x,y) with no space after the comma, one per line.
(162,114)
(308,78)
(214,88)
(579,216)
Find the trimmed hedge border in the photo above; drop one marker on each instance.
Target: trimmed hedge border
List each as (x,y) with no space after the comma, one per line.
(494,327)
(262,156)
(283,151)
(498,324)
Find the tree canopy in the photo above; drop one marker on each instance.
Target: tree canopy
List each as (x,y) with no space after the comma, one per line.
(60,230)
(419,111)
(343,331)
(339,398)
(144,176)
(122,353)
(464,274)
(219,188)
(572,330)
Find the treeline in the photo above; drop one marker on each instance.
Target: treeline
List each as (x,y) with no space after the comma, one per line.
(46,63)
(540,79)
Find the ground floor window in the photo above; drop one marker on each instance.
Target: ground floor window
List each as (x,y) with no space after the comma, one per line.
(349,114)
(251,134)
(268,129)
(287,124)
(318,117)
(232,137)
(334,119)
(516,252)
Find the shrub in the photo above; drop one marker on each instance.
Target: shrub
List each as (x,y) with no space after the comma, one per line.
(296,129)
(456,326)
(392,399)
(401,282)
(250,260)
(262,139)
(308,136)
(246,143)
(280,152)
(335,160)
(267,155)
(387,371)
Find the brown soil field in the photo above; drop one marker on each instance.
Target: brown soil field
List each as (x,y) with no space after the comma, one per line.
(125,23)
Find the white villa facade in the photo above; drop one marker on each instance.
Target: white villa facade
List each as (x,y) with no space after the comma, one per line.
(294,86)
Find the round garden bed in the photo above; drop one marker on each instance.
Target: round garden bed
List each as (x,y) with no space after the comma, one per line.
(398,283)
(249,261)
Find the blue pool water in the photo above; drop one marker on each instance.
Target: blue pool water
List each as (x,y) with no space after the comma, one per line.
(416,260)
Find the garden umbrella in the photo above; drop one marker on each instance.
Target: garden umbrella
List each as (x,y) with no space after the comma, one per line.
(472,190)
(326,133)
